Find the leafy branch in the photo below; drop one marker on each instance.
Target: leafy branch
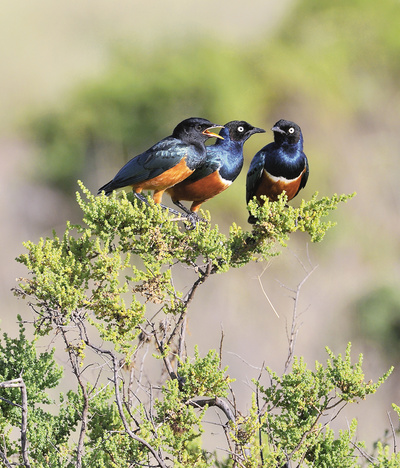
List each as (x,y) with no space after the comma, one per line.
(110,292)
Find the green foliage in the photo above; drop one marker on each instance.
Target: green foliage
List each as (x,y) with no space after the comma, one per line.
(297,402)
(180,422)
(385,457)
(88,272)
(203,376)
(178,412)
(277,223)
(93,286)
(18,357)
(48,433)
(289,425)
(245,433)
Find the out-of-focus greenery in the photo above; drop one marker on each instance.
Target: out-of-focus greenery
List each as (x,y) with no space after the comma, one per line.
(334,60)
(377,317)
(138,101)
(341,50)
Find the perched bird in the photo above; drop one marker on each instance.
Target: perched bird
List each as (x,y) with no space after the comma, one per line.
(279,166)
(223,164)
(167,163)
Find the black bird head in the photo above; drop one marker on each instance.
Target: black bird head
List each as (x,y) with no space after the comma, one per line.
(195,129)
(239,130)
(286,131)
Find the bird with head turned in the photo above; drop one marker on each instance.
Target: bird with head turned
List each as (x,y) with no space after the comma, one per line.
(223,164)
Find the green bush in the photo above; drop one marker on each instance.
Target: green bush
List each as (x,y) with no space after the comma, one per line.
(91,288)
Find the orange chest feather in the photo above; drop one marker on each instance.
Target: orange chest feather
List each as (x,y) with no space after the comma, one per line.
(200,190)
(273,186)
(167,179)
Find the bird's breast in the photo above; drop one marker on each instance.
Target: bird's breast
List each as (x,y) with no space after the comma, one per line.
(199,190)
(272,186)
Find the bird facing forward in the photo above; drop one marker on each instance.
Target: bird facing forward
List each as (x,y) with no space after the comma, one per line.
(166,163)
(222,166)
(279,166)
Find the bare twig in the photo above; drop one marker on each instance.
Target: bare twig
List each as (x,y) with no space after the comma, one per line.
(182,336)
(393,433)
(3,457)
(295,327)
(189,297)
(363,453)
(220,346)
(161,350)
(244,360)
(118,399)
(335,415)
(10,402)
(237,458)
(260,415)
(131,434)
(216,401)
(19,383)
(264,292)
(73,359)
(24,424)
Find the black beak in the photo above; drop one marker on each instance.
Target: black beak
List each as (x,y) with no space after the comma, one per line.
(257,130)
(278,129)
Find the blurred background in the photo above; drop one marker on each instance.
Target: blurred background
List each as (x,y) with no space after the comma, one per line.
(85,86)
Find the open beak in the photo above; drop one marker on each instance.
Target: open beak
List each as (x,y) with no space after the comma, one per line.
(211,134)
(277,129)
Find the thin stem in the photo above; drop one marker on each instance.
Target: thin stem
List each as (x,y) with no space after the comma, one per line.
(4,458)
(118,399)
(393,433)
(292,337)
(19,383)
(85,410)
(218,402)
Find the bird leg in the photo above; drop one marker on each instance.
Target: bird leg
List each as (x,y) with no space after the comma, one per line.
(144,199)
(192,216)
(182,207)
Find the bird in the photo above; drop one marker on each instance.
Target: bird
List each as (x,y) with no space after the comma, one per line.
(166,163)
(222,166)
(279,166)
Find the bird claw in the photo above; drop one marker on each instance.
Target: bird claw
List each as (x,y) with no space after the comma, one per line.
(296,221)
(193,218)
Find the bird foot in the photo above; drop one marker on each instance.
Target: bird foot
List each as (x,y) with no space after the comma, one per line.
(296,221)
(145,200)
(193,218)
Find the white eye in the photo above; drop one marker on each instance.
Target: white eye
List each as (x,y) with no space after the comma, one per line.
(240,129)
(291,130)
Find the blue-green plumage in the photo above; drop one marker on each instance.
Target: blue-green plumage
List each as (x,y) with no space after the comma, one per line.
(164,155)
(167,162)
(279,166)
(223,164)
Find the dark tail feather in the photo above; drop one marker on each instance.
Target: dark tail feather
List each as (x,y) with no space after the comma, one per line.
(107,188)
(252,219)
